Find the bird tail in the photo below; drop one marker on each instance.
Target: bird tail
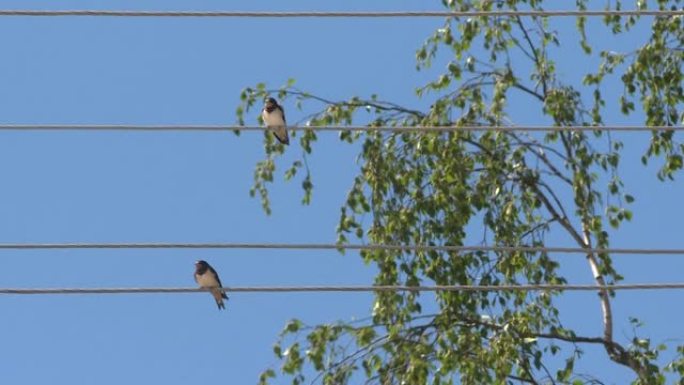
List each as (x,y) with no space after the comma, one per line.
(219,296)
(280,133)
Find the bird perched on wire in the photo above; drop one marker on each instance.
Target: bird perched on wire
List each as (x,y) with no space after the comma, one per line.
(207,278)
(274,117)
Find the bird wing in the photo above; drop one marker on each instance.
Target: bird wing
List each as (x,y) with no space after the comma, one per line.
(282,112)
(215,274)
(220,293)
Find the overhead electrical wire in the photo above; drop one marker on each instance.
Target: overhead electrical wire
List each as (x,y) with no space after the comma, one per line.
(282,289)
(193,127)
(341,246)
(319,289)
(365,14)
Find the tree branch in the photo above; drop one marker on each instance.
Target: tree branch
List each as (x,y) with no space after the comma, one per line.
(536,150)
(563,220)
(537,62)
(384,106)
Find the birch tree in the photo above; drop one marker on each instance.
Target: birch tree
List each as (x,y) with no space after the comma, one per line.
(511,188)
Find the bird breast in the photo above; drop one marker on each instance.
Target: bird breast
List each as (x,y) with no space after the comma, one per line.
(274,118)
(206,280)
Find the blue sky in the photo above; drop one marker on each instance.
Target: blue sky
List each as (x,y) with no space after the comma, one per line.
(193,187)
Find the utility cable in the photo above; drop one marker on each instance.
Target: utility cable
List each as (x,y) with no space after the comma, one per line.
(365,14)
(158,127)
(341,246)
(319,289)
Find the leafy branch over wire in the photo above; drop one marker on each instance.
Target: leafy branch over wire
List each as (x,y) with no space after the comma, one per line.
(504,187)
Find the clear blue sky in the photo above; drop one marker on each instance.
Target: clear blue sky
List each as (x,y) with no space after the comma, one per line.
(193,187)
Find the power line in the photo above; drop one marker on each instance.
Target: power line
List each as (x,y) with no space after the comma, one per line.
(365,14)
(328,289)
(155,127)
(335,246)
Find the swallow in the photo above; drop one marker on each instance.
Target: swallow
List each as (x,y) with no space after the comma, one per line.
(206,277)
(274,117)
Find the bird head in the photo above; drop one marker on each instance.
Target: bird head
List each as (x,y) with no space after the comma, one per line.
(271,102)
(201,266)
